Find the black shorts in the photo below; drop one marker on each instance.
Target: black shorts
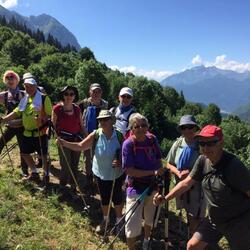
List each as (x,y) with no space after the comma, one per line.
(30,145)
(105,188)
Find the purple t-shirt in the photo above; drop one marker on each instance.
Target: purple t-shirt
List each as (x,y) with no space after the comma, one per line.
(144,155)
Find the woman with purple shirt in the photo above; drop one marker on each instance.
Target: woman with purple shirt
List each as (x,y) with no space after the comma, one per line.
(141,159)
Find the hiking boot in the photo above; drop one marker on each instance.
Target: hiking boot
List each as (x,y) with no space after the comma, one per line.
(101,227)
(146,245)
(32,177)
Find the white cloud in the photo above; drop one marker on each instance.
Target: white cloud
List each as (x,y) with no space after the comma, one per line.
(8,3)
(152,74)
(197,60)
(222,62)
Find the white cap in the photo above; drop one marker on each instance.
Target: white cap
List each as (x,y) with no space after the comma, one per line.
(30,81)
(125,91)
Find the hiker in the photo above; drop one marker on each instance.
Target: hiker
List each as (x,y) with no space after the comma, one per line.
(226,185)
(28,75)
(10,99)
(141,160)
(106,144)
(35,110)
(124,110)
(90,108)
(67,120)
(180,160)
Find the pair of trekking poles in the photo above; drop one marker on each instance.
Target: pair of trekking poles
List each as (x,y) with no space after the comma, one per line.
(133,208)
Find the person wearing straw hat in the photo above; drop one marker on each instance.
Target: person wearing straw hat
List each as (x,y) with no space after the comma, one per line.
(226,185)
(67,120)
(106,144)
(35,110)
(180,160)
(10,99)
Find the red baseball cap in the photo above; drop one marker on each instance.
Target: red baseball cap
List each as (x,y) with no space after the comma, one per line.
(211,131)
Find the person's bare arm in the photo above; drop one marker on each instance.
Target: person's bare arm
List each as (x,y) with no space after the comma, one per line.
(78,146)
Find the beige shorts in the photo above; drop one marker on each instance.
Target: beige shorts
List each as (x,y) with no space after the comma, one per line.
(146,209)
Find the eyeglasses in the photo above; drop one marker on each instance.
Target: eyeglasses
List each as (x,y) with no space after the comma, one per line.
(140,126)
(208,143)
(126,96)
(69,94)
(183,127)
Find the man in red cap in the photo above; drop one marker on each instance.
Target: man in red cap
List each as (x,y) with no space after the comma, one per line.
(226,185)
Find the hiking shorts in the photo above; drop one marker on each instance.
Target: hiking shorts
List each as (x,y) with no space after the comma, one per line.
(237,233)
(105,188)
(134,223)
(30,145)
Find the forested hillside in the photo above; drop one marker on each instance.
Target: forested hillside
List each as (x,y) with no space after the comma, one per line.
(163,106)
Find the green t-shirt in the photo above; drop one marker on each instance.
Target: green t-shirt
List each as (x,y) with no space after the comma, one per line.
(29,115)
(224,185)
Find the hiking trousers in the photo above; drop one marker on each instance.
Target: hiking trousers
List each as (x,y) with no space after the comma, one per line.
(73,161)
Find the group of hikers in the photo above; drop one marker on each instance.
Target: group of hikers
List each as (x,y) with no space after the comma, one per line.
(212,185)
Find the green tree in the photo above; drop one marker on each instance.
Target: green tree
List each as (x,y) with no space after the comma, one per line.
(86,54)
(90,72)
(211,115)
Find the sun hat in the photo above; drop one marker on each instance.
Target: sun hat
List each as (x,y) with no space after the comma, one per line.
(27,75)
(125,91)
(187,120)
(211,131)
(105,114)
(30,81)
(94,86)
(67,87)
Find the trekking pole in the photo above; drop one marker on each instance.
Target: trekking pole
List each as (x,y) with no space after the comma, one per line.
(166,212)
(131,209)
(7,148)
(45,171)
(10,149)
(180,220)
(160,191)
(86,206)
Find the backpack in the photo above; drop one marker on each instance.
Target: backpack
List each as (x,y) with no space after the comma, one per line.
(149,150)
(10,106)
(90,118)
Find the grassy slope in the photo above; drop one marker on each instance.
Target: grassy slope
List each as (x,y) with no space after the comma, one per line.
(31,220)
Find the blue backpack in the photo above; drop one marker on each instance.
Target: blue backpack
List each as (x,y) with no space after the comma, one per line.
(90,118)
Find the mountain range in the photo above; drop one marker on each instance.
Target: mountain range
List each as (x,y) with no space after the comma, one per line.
(45,23)
(226,88)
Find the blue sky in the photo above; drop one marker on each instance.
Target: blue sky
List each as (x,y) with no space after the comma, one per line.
(154,37)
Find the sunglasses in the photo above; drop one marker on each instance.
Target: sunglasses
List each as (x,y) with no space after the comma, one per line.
(183,127)
(126,96)
(10,77)
(140,126)
(208,143)
(69,94)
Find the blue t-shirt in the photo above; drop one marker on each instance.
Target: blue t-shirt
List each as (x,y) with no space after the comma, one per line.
(105,153)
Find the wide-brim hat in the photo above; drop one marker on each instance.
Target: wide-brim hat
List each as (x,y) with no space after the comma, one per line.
(105,114)
(69,88)
(187,120)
